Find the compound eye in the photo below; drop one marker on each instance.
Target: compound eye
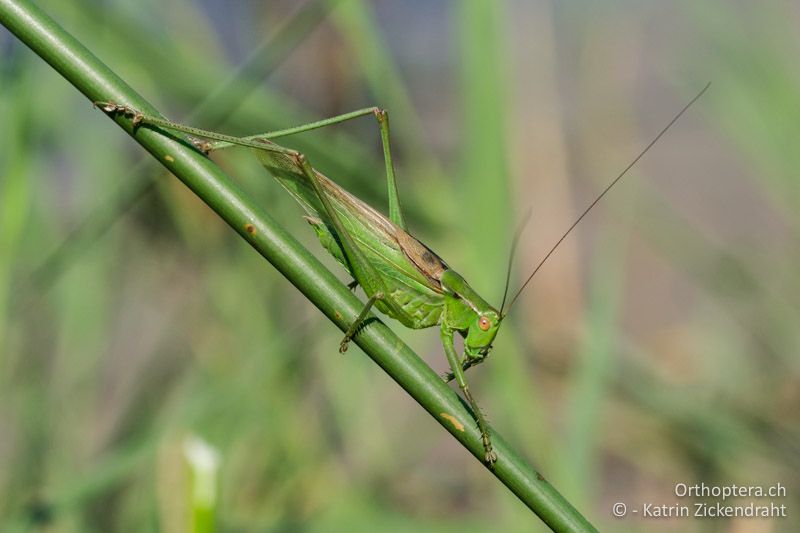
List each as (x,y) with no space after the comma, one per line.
(484,323)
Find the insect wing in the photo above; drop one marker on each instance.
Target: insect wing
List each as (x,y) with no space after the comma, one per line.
(393,252)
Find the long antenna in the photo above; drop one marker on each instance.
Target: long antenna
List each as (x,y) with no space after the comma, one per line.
(517,234)
(608,188)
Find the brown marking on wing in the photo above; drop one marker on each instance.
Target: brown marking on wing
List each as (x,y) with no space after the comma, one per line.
(427,262)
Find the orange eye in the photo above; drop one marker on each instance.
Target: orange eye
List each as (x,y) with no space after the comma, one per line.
(484,323)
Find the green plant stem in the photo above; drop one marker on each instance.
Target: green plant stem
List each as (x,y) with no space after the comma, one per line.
(95,80)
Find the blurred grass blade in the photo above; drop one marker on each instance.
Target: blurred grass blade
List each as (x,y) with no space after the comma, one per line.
(483,178)
(203,460)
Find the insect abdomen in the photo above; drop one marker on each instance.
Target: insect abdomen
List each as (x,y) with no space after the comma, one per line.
(420,310)
(328,241)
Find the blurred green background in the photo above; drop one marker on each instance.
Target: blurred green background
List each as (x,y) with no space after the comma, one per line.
(658,346)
